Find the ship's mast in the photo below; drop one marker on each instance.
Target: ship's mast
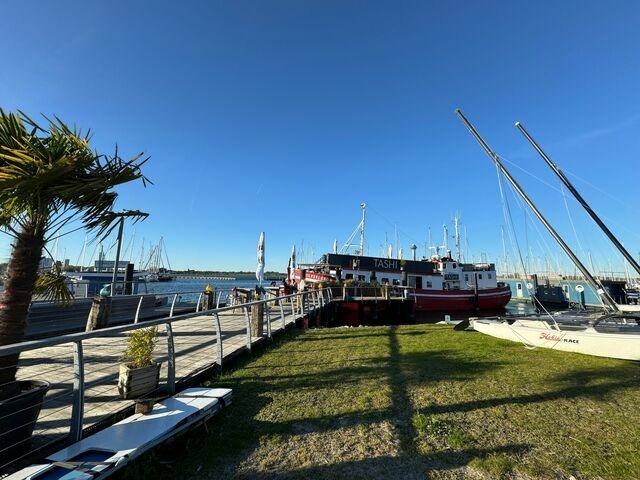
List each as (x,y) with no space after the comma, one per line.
(360,227)
(457,236)
(445,233)
(604,295)
(363,206)
(579,198)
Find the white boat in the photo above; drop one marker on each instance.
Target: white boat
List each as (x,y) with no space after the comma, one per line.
(620,342)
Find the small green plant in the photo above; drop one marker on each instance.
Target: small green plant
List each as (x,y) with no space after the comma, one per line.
(139,352)
(429,426)
(458,439)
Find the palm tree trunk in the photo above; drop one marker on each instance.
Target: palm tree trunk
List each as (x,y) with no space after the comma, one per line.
(19,283)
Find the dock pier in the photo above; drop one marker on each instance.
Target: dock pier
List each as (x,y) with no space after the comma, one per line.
(82,368)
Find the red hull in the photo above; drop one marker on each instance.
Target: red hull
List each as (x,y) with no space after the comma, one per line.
(461,300)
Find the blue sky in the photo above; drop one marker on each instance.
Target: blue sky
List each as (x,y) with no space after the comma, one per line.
(283,116)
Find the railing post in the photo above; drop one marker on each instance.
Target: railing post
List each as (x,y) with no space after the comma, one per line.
(248,320)
(171,360)
(268,310)
(135,320)
(294,302)
(218,299)
(218,339)
(77,408)
(173,304)
(284,322)
(198,302)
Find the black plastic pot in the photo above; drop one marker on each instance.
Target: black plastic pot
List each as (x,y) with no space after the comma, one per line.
(18,417)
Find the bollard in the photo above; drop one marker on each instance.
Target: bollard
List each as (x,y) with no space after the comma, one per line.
(207,299)
(257,316)
(100,309)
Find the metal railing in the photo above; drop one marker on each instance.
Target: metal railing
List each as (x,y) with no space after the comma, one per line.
(386,292)
(82,368)
(47,318)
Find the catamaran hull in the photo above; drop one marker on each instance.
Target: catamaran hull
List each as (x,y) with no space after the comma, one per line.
(492,299)
(624,346)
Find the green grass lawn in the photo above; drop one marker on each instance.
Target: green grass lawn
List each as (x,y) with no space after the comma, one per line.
(419,401)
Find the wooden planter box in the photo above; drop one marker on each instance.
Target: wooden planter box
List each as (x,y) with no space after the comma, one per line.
(136,382)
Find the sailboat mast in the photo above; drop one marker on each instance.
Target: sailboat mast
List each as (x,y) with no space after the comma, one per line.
(456,223)
(364,209)
(579,198)
(445,235)
(604,295)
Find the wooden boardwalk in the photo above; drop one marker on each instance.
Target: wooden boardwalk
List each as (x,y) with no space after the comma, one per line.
(195,346)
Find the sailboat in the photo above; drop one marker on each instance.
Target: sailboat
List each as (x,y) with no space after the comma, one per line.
(154,270)
(612,334)
(612,238)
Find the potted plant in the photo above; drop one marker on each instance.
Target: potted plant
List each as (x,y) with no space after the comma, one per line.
(139,373)
(49,179)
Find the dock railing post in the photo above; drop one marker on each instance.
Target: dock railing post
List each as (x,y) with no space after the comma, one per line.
(77,408)
(284,322)
(171,360)
(268,312)
(293,300)
(218,339)
(198,302)
(247,319)
(135,320)
(173,304)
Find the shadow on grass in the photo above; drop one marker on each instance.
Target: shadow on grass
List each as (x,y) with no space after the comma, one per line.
(576,390)
(261,382)
(401,467)
(239,430)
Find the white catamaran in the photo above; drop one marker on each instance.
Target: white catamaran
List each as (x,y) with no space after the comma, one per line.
(614,334)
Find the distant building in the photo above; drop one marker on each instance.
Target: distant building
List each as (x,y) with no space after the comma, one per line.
(46,264)
(107,265)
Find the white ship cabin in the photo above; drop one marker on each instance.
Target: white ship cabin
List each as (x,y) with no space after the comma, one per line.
(437,273)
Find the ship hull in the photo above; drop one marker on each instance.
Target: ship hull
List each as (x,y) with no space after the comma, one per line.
(491,299)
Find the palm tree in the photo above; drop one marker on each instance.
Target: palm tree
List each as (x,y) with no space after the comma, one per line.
(49,177)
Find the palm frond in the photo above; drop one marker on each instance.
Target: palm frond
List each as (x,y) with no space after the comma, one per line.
(52,286)
(52,174)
